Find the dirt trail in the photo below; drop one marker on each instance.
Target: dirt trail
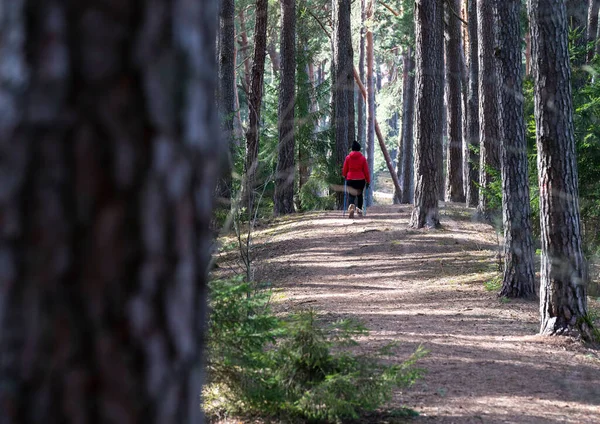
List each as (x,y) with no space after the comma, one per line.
(486,363)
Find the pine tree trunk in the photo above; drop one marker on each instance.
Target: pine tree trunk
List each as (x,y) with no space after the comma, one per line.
(563,303)
(237,122)
(370,150)
(405,168)
(489,149)
(592,27)
(473,107)
(518,278)
(226,87)
(360,104)
(107,183)
(255,103)
(428,111)
(343,83)
(454,160)
(244,48)
(284,179)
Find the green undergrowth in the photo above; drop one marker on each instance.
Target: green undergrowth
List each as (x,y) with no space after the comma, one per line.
(296,367)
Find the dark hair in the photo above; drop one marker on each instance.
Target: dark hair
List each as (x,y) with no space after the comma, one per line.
(355,146)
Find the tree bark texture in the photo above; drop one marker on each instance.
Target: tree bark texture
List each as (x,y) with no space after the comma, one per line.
(226,86)
(343,85)
(370,150)
(454,157)
(518,277)
(255,95)
(472,193)
(592,27)
(284,179)
(489,149)
(563,303)
(111,150)
(428,111)
(405,150)
(360,103)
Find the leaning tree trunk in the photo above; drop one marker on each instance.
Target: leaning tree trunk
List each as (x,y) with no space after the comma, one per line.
(488,103)
(370,150)
(563,303)
(254,104)
(592,27)
(284,179)
(108,173)
(406,145)
(226,87)
(518,278)
(472,111)
(428,111)
(454,160)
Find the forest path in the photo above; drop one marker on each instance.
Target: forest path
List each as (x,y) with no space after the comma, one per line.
(426,287)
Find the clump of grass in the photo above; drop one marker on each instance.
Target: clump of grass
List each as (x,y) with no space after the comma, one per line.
(293,368)
(493,285)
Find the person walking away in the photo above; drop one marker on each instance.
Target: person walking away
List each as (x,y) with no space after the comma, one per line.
(357,175)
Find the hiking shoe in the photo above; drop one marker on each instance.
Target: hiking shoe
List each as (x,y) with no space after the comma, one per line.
(351,209)
(360,213)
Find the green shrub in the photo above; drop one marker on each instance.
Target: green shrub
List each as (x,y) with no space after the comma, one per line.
(294,368)
(312,195)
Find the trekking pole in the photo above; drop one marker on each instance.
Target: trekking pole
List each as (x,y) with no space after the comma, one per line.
(345,194)
(365,202)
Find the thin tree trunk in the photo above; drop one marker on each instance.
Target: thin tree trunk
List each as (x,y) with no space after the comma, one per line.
(428,111)
(108,182)
(244,47)
(274,55)
(473,107)
(238,127)
(518,277)
(255,103)
(454,160)
(464,91)
(284,179)
(563,302)
(405,149)
(528,53)
(360,104)
(370,150)
(592,27)
(226,86)
(488,103)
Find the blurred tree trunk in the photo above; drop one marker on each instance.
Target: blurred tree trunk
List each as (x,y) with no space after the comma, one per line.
(592,27)
(370,150)
(255,103)
(473,107)
(284,178)
(226,87)
(563,300)
(454,163)
(489,148)
(577,14)
(244,47)
(343,85)
(428,111)
(518,278)
(109,168)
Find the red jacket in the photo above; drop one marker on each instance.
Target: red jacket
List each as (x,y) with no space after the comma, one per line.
(356,168)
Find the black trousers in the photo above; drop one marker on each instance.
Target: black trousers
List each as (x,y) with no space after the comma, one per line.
(355,192)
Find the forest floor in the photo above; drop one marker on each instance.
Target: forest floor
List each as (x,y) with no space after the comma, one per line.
(486,363)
